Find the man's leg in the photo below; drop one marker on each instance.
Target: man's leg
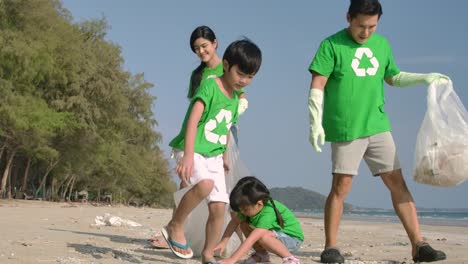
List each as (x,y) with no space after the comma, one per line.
(214,226)
(334,207)
(188,202)
(406,211)
(403,204)
(346,157)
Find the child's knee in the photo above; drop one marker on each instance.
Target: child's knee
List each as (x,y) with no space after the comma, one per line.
(205,187)
(216,209)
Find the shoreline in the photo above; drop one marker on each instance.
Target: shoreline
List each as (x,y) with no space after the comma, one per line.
(66,233)
(424,220)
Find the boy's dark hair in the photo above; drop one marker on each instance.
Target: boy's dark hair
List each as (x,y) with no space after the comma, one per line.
(364,7)
(245,54)
(195,80)
(248,191)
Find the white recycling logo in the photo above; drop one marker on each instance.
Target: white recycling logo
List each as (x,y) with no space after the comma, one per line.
(213,123)
(355,64)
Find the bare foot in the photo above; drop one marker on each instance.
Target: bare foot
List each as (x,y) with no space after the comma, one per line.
(159,242)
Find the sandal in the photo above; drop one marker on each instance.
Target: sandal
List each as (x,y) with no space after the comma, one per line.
(291,260)
(331,255)
(261,256)
(425,253)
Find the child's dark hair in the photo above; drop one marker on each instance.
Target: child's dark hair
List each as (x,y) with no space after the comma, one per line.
(245,54)
(364,7)
(248,191)
(200,32)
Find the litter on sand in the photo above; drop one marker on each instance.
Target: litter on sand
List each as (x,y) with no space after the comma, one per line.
(110,220)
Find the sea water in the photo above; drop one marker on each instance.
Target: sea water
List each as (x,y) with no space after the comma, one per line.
(445,218)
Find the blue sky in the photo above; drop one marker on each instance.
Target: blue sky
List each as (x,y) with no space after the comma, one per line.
(426,36)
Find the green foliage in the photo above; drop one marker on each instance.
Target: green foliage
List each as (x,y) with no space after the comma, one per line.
(66,102)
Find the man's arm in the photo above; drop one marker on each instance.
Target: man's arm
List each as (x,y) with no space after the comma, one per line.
(405,79)
(317,86)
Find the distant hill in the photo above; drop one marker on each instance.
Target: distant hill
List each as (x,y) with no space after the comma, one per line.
(299,199)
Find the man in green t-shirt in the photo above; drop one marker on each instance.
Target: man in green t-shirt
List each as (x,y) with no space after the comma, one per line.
(348,74)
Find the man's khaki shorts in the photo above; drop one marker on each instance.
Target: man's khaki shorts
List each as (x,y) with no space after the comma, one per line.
(378,151)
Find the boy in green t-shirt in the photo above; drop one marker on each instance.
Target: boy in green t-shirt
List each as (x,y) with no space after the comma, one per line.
(348,74)
(201,143)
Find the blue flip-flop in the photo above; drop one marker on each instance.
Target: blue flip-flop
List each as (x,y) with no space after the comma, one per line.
(172,243)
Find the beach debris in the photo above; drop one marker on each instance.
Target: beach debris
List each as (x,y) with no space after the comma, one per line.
(397,243)
(110,220)
(69,260)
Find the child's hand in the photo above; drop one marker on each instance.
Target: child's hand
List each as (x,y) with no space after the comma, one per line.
(185,168)
(220,247)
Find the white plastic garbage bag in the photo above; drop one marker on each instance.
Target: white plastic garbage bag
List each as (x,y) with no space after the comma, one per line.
(196,221)
(441,155)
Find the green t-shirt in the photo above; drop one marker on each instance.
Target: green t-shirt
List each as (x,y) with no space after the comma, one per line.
(354,94)
(219,114)
(209,73)
(266,219)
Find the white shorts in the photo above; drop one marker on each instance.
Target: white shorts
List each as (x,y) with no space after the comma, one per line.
(378,151)
(208,168)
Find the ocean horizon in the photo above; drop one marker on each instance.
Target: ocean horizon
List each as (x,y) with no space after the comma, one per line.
(438,217)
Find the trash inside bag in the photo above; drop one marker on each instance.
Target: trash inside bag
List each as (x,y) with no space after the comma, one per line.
(441,154)
(196,221)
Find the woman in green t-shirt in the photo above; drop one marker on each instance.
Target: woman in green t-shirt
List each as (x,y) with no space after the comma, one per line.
(269,226)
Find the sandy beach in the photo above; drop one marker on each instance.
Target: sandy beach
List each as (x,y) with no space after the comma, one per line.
(66,233)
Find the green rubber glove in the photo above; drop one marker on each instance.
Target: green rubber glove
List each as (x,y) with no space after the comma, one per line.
(404,79)
(315,115)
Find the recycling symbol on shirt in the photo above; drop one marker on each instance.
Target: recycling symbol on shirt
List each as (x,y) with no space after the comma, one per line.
(222,121)
(357,60)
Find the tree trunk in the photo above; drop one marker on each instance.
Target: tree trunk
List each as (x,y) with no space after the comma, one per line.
(1,151)
(66,181)
(13,179)
(26,175)
(44,178)
(9,185)
(71,187)
(6,172)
